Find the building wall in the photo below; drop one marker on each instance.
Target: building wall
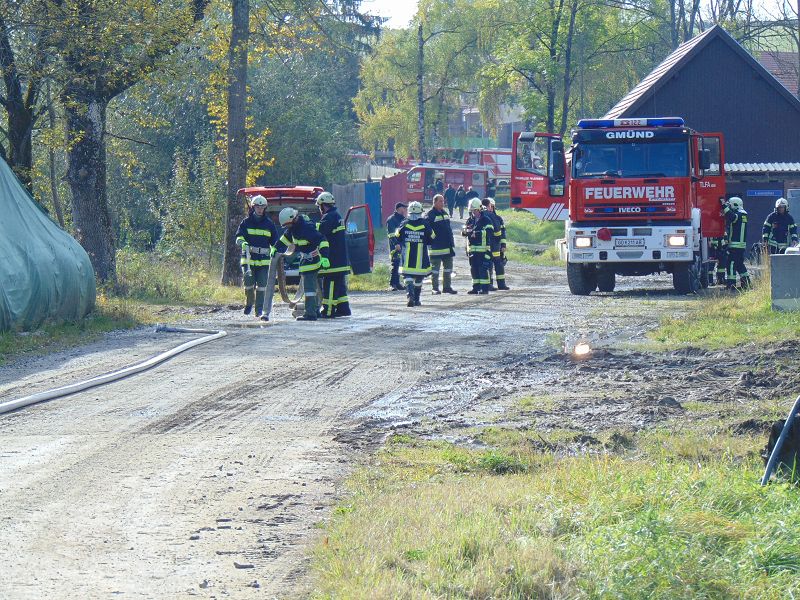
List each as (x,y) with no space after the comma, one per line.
(718,91)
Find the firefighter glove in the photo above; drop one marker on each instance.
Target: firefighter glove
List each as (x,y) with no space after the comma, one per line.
(325,263)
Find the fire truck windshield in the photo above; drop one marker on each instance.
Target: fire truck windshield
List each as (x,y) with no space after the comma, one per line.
(624,159)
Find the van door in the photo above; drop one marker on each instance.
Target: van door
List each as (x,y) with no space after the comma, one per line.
(360,239)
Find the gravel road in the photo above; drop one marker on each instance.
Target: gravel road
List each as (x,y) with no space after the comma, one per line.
(209,475)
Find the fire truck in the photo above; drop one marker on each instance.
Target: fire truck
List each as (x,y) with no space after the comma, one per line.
(643,197)
(423,177)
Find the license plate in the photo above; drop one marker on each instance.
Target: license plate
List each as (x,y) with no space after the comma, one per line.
(629,242)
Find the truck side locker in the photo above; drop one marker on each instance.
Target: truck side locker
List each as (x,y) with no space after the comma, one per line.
(360,239)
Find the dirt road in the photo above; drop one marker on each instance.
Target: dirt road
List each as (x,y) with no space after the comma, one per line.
(207,475)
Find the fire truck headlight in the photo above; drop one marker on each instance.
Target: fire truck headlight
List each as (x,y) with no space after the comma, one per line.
(676,240)
(583,241)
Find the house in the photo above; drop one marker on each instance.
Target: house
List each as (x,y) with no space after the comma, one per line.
(716,85)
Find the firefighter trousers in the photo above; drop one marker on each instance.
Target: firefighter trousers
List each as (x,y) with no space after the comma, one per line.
(722,265)
(443,264)
(255,286)
(413,286)
(334,295)
(394,280)
(310,293)
(497,270)
(736,265)
(479,267)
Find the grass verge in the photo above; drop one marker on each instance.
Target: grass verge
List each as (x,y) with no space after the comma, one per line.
(673,516)
(376,281)
(523,227)
(729,319)
(531,256)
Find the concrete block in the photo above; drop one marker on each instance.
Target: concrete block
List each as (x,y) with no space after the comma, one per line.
(785,281)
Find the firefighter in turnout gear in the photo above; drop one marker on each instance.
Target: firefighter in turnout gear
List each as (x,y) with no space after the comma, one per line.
(335,302)
(736,218)
(443,246)
(399,215)
(313,249)
(413,238)
(478,230)
(780,230)
(498,246)
(256,236)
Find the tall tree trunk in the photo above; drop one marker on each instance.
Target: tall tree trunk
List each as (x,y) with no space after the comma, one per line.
(573,12)
(51,155)
(423,154)
(237,136)
(86,175)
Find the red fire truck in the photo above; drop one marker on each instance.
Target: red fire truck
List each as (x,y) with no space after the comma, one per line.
(643,198)
(422,179)
(497,160)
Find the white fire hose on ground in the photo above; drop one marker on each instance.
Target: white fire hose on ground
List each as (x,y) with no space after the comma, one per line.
(74,388)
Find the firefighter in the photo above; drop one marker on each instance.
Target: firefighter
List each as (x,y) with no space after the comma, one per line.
(498,246)
(413,238)
(335,302)
(392,223)
(313,249)
(736,218)
(256,236)
(443,247)
(478,230)
(780,230)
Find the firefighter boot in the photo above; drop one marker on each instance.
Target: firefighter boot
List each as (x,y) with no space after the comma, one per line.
(310,312)
(410,293)
(417,292)
(447,280)
(249,293)
(342,310)
(259,301)
(435,283)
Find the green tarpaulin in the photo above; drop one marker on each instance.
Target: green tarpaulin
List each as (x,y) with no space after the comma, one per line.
(45,275)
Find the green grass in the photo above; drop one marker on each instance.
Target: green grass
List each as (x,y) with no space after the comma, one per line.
(727,319)
(530,256)
(671,516)
(376,281)
(523,227)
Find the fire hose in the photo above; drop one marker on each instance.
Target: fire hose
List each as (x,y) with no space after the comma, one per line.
(74,388)
(277,273)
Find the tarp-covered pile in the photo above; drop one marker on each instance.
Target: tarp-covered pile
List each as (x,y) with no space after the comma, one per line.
(44,273)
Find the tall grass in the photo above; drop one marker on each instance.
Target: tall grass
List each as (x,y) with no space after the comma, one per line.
(523,227)
(729,318)
(431,520)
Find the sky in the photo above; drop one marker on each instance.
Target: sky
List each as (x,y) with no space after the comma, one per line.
(399,12)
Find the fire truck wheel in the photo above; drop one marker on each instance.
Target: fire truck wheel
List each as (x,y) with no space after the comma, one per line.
(686,278)
(606,279)
(582,279)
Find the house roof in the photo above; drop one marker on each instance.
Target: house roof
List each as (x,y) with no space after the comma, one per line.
(783,66)
(684,53)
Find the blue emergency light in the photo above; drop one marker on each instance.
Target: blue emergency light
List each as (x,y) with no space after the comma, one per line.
(643,122)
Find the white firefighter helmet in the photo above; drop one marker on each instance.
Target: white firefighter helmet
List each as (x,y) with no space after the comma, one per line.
(325,198)
(258,201)
(491,201)
(287,215)
(736,202)
(475,204)
(782,202)
(415,208)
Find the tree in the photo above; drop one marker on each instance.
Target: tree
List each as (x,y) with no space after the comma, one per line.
(106,47)
(237,134)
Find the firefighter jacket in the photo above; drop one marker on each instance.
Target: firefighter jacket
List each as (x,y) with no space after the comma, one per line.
(260,234)
(307,240)
(779,229)
(392,223)
(737,227)
(414,238)
(498,240)
(443,244)
(479,233)
(332,227)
